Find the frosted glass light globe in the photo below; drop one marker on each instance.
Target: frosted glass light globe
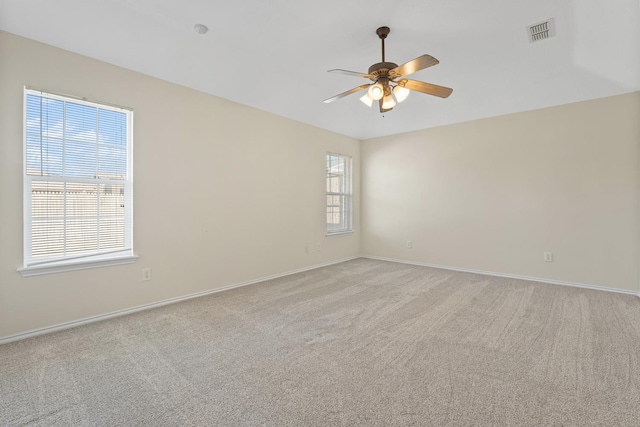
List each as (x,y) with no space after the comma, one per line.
(401,93)
(376,91)
(367,100)
(388,102)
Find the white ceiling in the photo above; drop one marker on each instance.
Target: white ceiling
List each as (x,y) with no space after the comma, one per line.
(274,54)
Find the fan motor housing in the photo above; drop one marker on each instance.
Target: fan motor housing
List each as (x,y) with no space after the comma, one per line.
(381,69)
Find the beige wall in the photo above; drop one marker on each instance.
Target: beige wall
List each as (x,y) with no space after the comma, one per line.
(494,194)
(223,193)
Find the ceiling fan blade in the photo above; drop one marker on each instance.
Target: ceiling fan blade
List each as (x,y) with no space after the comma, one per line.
(428,88)
(417,64)
(343,94)
(352,73)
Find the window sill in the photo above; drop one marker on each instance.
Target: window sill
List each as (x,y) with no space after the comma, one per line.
(71,265)
(339,233)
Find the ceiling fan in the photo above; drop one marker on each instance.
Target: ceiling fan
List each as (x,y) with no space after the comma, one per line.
(389,85)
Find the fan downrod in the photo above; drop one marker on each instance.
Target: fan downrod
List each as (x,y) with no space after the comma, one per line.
(381,69)
(383,32)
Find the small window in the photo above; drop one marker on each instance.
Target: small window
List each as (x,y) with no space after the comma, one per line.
(77,183)
(339,197)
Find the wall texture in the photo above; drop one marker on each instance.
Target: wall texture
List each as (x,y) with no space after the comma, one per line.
(223,193)
(494,194)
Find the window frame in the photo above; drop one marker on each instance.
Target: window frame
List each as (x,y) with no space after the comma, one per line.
(33,267)
(347,213)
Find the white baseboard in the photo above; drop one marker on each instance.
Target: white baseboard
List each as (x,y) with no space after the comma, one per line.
(511,276)
(87,320)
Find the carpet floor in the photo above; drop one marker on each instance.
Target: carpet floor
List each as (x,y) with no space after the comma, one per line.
(362,343)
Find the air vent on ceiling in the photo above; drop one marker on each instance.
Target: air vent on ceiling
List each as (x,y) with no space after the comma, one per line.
(541,30)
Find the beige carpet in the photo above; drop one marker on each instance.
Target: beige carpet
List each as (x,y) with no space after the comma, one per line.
(363,343)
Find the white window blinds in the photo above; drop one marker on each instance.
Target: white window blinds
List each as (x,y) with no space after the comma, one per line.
(78,183)
(339,197)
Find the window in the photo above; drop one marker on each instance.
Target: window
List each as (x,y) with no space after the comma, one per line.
(77,184)
(339,212)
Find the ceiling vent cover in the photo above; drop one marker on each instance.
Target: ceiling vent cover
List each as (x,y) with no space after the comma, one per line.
(541,30)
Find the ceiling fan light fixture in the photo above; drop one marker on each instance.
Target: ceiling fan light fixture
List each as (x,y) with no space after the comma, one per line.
(367,100)
(388,102)
(376,91)
(390,87)
(401,93)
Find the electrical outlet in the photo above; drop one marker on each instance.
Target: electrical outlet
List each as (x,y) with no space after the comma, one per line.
(306,249)
(146,274)
(409,244)
(548,257)
(318,247)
